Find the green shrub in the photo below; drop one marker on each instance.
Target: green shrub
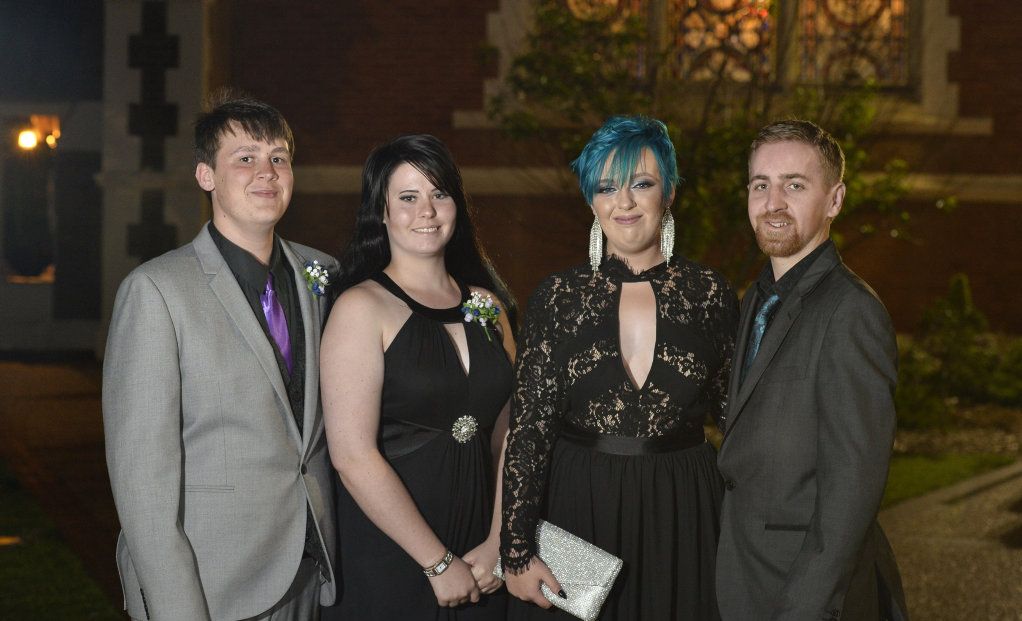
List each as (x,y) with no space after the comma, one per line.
(1003,386)
(953,359)
(920,402)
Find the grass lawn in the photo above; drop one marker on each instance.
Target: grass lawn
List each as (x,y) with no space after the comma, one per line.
(914,475)
(40,578)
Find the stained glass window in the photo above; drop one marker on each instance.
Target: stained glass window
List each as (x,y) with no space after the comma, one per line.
(730,38)
(837,40)
(853,40)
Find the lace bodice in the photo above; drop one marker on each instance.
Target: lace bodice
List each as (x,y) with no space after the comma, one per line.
(569,370)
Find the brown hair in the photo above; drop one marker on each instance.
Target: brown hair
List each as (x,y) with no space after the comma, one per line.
(831,156)
(226,107)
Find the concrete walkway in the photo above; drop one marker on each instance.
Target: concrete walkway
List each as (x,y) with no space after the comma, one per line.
(960,548)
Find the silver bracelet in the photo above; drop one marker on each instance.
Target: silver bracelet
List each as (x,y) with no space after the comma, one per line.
(440,566)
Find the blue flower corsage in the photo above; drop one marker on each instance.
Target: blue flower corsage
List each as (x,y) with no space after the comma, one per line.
(481,310)
(317,279)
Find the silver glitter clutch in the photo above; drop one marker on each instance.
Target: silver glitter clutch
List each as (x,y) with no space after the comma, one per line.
(585,571)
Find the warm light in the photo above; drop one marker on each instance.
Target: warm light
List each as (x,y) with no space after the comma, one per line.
(9,541)
(41,128)
(28,139)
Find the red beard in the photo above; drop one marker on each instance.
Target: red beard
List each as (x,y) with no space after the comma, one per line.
(783,242)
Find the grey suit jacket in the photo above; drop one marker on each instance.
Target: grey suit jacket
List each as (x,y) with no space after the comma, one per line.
(210,475)
(805,457)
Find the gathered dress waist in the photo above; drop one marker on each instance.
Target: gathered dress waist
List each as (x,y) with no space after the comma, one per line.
(628,445)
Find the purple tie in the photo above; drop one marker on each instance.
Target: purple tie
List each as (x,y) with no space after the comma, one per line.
(276,321)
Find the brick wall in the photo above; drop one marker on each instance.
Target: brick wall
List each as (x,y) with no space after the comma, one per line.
(983,240)
(352,74)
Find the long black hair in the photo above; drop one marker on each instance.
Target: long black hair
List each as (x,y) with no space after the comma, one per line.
(368,251)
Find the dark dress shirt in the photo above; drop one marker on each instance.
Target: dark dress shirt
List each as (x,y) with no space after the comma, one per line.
(251,275)
(766,285)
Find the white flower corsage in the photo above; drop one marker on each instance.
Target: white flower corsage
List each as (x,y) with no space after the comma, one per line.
(317,279)
(482,310)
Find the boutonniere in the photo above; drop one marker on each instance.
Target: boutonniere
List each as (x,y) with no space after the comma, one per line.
(317,279)
(482,310)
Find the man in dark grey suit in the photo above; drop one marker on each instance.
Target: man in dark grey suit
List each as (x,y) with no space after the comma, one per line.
(811,417)
(214,430)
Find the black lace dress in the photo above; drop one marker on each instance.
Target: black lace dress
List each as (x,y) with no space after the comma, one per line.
(622,466)
(448,474)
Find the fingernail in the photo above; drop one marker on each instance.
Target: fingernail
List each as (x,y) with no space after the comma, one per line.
(562,594)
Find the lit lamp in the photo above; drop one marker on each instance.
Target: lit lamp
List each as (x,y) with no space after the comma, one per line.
(28,139)
(44,128)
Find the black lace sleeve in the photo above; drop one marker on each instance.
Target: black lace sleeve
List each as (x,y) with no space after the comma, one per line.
(536,409)
(726,332)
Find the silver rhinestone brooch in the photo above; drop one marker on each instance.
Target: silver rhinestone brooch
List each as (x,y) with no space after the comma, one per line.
(464,428)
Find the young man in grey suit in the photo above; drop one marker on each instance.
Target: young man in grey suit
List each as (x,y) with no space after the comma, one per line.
(811,416)
(214,432)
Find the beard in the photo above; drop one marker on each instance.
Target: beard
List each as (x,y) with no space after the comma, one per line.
(782,242)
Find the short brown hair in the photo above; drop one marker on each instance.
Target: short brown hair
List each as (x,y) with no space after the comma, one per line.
(806,132)
(257,118)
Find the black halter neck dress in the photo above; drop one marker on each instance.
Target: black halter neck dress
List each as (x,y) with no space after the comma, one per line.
(446,466)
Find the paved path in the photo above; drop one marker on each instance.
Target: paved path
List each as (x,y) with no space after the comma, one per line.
(960,548)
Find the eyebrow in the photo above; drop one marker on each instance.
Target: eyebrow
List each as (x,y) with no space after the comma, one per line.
(635,175)
(251,148)
(784,176)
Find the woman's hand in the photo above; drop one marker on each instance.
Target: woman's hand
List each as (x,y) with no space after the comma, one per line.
(456,586)
(482,559)
(525,586)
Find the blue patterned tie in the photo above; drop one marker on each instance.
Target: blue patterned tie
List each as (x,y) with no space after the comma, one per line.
(759,325)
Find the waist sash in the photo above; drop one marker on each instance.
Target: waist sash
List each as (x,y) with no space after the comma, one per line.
(627,445)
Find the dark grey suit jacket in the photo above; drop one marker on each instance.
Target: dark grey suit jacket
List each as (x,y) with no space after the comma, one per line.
(805,457)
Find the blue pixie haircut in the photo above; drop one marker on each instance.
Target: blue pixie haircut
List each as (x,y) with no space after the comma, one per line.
(625,137)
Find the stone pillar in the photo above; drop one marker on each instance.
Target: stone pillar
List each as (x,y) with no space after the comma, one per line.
(154,81)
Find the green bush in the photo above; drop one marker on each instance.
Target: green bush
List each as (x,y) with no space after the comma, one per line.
(1003,386)
(920,402)
(955,359)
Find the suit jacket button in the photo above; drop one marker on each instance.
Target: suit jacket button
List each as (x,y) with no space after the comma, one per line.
(305,469)
(729,484)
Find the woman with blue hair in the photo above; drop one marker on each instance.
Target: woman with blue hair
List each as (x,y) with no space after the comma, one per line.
(620,362)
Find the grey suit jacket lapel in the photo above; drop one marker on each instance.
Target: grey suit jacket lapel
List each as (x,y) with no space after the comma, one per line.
(782,322)
(228,291)
(310,306)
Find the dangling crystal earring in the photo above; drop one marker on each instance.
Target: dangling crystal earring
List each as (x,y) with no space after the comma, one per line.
(667,236)
(595,245)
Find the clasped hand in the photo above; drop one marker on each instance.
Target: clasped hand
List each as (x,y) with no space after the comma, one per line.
(467,578)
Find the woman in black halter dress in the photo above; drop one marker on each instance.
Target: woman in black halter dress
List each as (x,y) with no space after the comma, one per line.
(415,398)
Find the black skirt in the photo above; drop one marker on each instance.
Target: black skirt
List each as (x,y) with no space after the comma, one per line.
(658,512)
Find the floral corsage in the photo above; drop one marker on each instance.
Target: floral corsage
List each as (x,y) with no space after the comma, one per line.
(317,279)
(482,310)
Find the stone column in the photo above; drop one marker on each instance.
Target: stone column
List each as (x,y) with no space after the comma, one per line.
(154,81)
